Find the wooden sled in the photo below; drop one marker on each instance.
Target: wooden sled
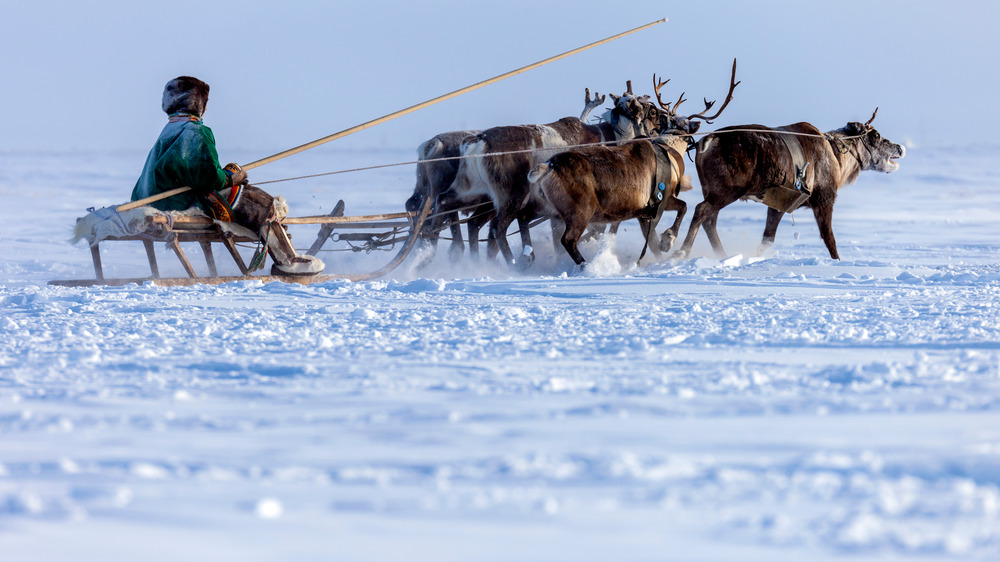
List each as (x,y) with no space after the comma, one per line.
(362,233)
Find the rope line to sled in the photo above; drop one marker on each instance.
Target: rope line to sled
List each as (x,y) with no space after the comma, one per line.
(379,166)
(559,148)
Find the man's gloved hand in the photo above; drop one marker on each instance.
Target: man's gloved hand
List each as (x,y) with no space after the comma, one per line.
(234,175)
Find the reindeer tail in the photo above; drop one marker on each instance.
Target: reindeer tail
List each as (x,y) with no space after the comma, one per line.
(539,172)
(537,188)
(430,149)
(684,184)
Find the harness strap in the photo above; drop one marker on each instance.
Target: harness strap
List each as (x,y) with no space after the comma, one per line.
(786,197)
(799,163)
(662,181)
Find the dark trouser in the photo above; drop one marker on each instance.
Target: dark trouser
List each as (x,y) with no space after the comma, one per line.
(254,209)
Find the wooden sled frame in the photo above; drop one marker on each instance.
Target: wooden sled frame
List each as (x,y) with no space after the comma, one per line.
(205,232)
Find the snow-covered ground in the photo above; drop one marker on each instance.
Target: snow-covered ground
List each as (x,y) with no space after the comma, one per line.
(791,408)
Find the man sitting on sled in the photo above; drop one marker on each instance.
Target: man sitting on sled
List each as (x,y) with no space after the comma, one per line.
(185,156)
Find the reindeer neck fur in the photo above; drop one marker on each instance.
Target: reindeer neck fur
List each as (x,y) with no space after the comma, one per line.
(603,132)
(848,152)
(572,131)
(677,142)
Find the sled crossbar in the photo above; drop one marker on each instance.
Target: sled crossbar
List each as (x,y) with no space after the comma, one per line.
(314,219)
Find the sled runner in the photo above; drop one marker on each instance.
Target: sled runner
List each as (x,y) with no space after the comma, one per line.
(362,233)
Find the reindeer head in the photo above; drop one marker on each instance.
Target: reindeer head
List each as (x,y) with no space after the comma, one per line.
(667,119)
(872,150)
(632,116)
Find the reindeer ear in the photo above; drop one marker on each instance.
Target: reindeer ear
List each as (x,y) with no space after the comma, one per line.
(614,97)
(855,128)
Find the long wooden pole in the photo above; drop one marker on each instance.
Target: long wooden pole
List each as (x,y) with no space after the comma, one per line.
(396,114)
(428,103)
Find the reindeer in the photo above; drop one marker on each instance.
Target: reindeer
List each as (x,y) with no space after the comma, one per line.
(638,179)
(609,184)
(435,173)
(754,162)
(496,162)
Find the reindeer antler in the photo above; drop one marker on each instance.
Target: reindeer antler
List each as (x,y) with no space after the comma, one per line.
(628,89)
(657,85)
(680,100)
(590,104)
(869,122)
(729,97)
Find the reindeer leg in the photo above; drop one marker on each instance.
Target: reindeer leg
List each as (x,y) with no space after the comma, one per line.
(713,234)
(498,230)
(558,228)
(430,232)
(770,229)
(669,236)
(457,244)
(575,213)
(570,238)
(473,230)
(527,256)
(481,215)
(701,210)
(824,219)
(492,248)
(647,225)
(427,249)
(706,214)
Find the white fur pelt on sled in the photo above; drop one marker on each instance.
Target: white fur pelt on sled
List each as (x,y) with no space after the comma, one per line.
(108,223)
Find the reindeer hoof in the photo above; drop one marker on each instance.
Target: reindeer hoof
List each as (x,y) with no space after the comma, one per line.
(667,241)
(524,261)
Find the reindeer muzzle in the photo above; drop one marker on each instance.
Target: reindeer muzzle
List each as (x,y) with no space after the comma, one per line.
(625,127)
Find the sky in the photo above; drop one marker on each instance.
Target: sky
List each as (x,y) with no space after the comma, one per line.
(89,75)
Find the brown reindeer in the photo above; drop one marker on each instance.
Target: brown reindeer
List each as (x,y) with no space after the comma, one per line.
(610,184)
(496,163)
(638,179)
(749,161)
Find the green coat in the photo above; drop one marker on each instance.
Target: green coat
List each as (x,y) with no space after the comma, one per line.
(183,156)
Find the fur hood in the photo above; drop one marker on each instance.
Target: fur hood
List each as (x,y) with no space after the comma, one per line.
(185,94)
